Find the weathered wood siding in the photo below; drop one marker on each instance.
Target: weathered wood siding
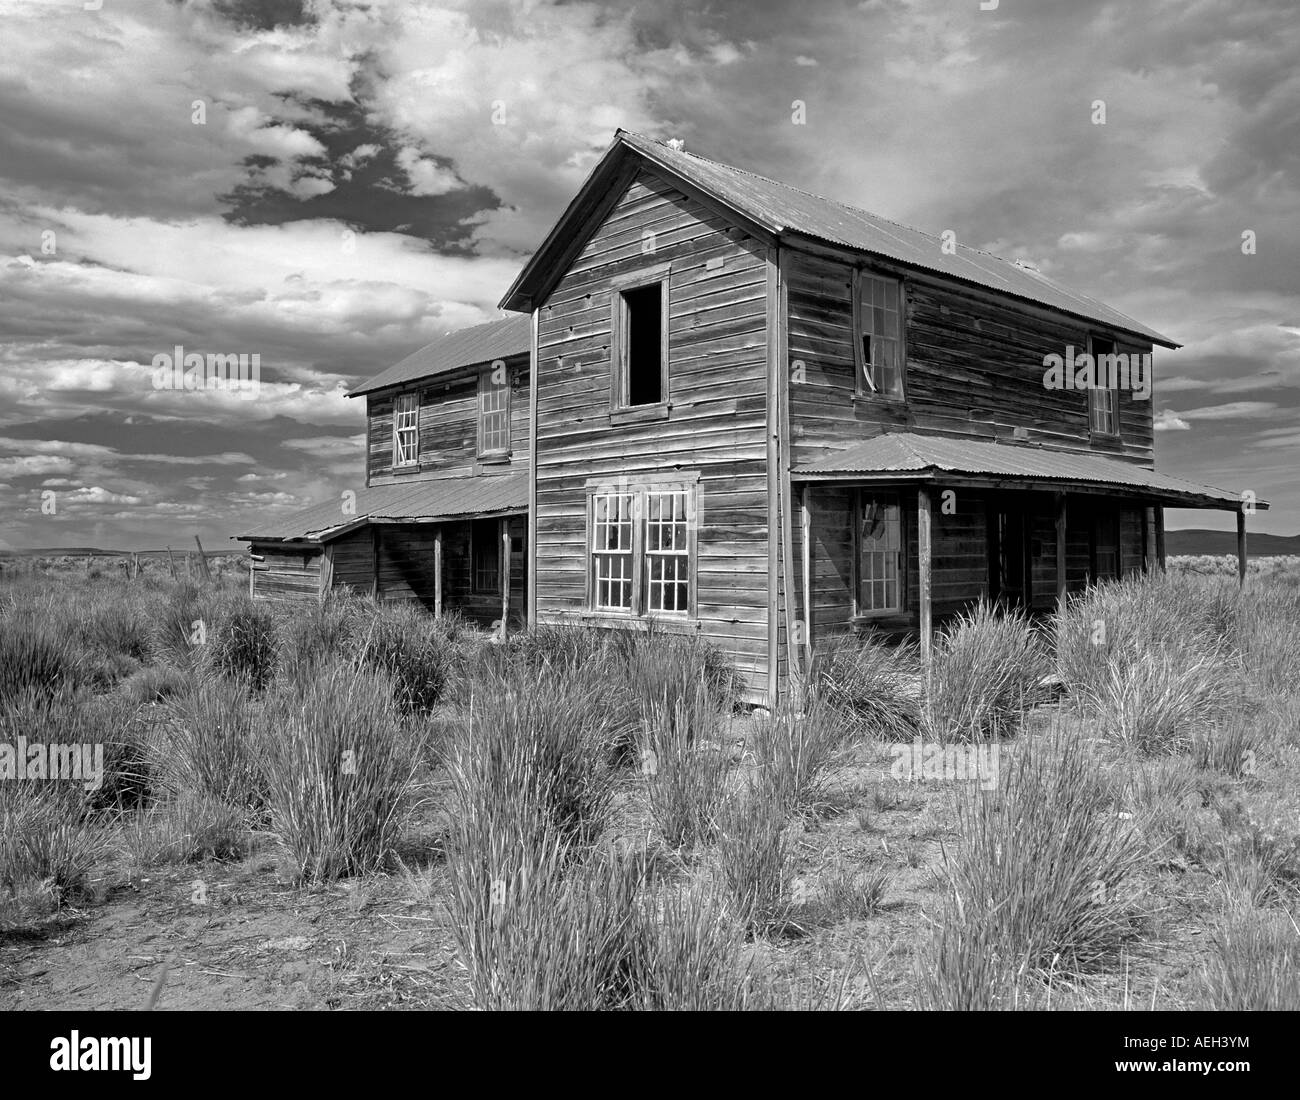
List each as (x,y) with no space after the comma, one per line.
(974,369)
(354,561)
(715,427)
(448,428)
(287,571)
(961,552)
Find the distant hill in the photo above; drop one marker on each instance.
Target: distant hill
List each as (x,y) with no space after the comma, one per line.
(96,552)
(1193,540)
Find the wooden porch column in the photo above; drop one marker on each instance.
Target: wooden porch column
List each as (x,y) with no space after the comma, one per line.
(1060,555)
(805,536)
(924,569)
(1160,536)
(1241,547)
(505,574)
(437,572)
(326,572)
(1151,541)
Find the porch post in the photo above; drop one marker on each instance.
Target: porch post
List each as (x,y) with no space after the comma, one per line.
(437,572)
(1241,547)
(505,575)
(805,529)
(1151,541)
(326,572)
(1060,555)
(923,562)
(374,561)
(1160,536)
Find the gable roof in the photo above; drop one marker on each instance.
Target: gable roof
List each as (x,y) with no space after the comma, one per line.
(466,347)
(923,457)
(785,211)
(447,498)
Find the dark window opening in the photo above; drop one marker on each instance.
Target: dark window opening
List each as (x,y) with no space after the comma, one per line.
(485,549)
(644,344)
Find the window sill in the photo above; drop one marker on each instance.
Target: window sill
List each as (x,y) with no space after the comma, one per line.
(639,414)
(497,458)
(670,622)
(409,468)
(1107,439)
(873,398)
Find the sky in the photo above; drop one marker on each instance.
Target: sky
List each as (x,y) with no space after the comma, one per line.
(330,184)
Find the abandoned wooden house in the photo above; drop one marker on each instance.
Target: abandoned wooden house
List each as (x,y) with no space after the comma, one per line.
(442,514)
(758,416)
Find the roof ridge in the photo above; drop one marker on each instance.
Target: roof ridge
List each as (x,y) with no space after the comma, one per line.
(844,205)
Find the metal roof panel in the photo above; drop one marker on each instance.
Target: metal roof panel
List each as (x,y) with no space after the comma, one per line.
(420,501)
(465,347)
(907,453)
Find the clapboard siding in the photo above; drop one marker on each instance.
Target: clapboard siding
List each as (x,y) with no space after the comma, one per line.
(286,573)
(354,561)
(974,369)
(448,428)
(717,340)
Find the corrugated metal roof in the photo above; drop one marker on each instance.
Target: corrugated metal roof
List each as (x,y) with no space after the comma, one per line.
(782,209)
(466,347)
(420,501)
(906,453)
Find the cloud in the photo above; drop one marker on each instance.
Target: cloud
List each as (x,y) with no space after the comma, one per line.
(1166,421)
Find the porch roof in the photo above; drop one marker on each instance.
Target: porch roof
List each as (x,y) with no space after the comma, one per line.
(907,456)
(440,500)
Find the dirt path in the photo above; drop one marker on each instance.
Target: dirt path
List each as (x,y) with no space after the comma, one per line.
(239,937)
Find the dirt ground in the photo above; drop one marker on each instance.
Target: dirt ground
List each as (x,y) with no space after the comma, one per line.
(242,936)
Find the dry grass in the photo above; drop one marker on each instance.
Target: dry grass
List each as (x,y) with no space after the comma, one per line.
(721,876)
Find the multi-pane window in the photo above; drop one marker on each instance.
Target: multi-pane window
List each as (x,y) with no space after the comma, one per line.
(406,429)
(642,548)
(880,545)
(494,412)
(880,335)
(1103,398)
(611,550)
(485,555)
(667,553)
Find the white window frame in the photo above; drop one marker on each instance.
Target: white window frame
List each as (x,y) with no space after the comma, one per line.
(645,545)
(872,574)
(869,381)
(1103,404)
(493,401)
(613,523)
(406,423)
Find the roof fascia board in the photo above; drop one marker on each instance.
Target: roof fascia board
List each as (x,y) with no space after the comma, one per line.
(976,481)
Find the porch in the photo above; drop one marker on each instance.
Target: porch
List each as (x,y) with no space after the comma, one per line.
(451,544)
(901,532)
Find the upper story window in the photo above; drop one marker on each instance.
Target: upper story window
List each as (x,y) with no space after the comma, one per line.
(880,555)
(406,429)
(494,411)
(639,325)
(1103,398)
(642,547)
(878,318)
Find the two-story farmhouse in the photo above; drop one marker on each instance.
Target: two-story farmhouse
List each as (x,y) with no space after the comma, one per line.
(756,415)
